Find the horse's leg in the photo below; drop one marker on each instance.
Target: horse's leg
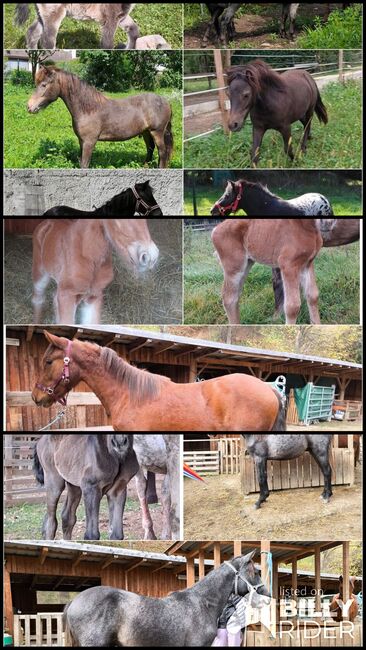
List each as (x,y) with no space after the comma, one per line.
(209,29)
(66,304)
(147,522)
(54,485)
(41,280)
(293,12)
(86,150)
(311,291)
(321,456)
(283,20)
(306,122)
(117,502)
(34,33)
(261,469)
(92,497)
(287,141)
(150,146)
(52,22)
(108,32)
(258,134)
(227,18)
(166,504)
(233,286)
(69,510)
(160,143)
(91,310)
(291,285)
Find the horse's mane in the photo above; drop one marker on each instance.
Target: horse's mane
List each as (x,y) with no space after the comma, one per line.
(258,75)
(142,384)
(88,97)
(259,187)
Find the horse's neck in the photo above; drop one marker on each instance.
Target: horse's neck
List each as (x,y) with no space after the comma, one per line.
(124,203)
(214,590)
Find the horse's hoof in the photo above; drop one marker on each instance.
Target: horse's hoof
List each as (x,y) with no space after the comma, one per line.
(257,506)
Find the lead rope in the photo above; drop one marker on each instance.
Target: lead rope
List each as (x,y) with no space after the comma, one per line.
(58,417)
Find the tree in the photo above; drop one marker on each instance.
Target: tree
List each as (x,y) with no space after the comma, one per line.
(37,57)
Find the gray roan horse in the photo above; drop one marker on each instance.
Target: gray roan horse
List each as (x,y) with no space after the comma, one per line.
(107,617)
(97,118)
(94,465)
(50,16)
(264,447)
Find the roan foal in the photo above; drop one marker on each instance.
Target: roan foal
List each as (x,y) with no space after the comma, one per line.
(289,244)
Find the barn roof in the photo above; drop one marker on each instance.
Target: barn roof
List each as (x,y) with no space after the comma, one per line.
(200,349)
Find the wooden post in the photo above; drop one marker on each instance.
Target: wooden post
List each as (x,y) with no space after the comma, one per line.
(8,602)
(275,594)
(318,582)
(217,555)
(346,575)
(191,574)
(341,66)
(222,95)
(8,457)
(192,371)
(265,548)
(201,560)
(237,549)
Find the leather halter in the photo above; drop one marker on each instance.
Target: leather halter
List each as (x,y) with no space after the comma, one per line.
(65,378)
(232,207)
(140,202)
(252,588)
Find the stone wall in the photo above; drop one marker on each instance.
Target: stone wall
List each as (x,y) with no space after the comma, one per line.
(30,192)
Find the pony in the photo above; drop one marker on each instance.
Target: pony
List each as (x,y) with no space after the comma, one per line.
(337,605)
(97,118)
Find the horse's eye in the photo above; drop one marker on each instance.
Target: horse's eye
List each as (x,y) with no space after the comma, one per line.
(49,362)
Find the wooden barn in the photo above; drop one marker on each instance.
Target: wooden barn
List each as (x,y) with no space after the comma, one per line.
(180,358)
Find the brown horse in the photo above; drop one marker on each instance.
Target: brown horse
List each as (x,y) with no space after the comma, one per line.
(336,606)
(50,16)
(137,400)
(77,254)
(273,101)
(345,231)
(290,244)
(97,118)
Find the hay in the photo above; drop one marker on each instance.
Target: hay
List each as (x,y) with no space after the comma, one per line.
(154,298)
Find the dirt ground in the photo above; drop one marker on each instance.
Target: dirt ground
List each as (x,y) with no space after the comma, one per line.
(217,509)
(153,298)
(257,31)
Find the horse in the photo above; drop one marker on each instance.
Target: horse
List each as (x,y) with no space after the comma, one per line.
(45,28)
(137,400)
(345,231)
(289,12)
(94,465)
(337,607)
(274,101)
(290,244)
(97,118)
(106,617)
(256,200)
(270,447)
(77,254)
(135,200)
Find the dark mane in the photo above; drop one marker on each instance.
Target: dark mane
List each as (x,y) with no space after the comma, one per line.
(142,384)
(258,75)
(88,97)
(259,187)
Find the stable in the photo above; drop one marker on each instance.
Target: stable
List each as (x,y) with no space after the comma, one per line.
(180,358)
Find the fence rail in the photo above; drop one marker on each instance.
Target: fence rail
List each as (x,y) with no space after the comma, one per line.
(41,630)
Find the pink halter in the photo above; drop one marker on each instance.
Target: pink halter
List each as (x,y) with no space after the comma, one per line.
(65,378)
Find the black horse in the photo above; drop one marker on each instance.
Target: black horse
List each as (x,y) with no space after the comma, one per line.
(264,447)
(135,200)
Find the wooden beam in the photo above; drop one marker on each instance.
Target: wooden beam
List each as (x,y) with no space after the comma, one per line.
(43,555)
(217,555)
(265,549)
(79,559)
(221,84)
(346,575)
(34,580)
(30,332)
(191,573)
(79,332)
(58,583)
(166,565)
(294,587)
(8,602)
(237,549)
(318,582)
(201,564)
(134,348)
(134,566)
(110,561)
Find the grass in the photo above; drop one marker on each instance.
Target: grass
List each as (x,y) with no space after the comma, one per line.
(162,18)
(345,199)
(336,145)
(47,140)
(337,271)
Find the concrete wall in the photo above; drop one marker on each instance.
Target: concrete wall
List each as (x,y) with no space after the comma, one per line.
(33,191)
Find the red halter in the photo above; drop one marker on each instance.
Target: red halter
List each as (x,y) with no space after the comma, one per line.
(65,377)
(232,207)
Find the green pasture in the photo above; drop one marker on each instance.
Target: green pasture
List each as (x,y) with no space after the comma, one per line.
(337,272)
(47,140)
(163,18)
(346,200)
(336,145)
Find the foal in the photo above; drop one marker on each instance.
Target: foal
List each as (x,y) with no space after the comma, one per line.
(77,254)
(289,244)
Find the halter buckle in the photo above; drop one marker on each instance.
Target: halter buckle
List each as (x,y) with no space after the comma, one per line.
(50,391)
(67,361)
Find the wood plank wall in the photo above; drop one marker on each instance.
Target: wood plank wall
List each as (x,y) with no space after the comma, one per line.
(21,226)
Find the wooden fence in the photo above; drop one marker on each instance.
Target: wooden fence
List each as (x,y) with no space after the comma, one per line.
(19,483)
(223,460)
(38,630)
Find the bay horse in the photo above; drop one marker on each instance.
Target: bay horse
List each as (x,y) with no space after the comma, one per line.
(137,400)
(92,466)
(135,200)
(273,447)
(256,200)
(344,231)
(273,101)
(338,608)
(45,28)
(106,617)
(77,254)
(290,244)
(98,118)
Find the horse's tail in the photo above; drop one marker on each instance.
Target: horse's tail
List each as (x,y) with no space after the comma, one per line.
(37,468)
(21,13)
(280,424)
(168,139)
(70,640)
(320,110)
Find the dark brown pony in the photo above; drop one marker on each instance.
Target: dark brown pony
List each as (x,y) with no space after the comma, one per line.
(273,101)
(97,118)
(291,244)
(137,400)
(336,606)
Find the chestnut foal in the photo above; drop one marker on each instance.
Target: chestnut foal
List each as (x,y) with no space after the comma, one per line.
(289,244)
(78,255)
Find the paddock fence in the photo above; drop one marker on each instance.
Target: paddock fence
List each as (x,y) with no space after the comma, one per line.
(222,458)
(38,630)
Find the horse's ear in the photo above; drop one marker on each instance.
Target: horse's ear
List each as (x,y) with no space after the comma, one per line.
(57,341)
(249,558)
(340,578)
(146,184)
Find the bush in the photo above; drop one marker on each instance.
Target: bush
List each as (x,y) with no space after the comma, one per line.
(20,78)
(343,29)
